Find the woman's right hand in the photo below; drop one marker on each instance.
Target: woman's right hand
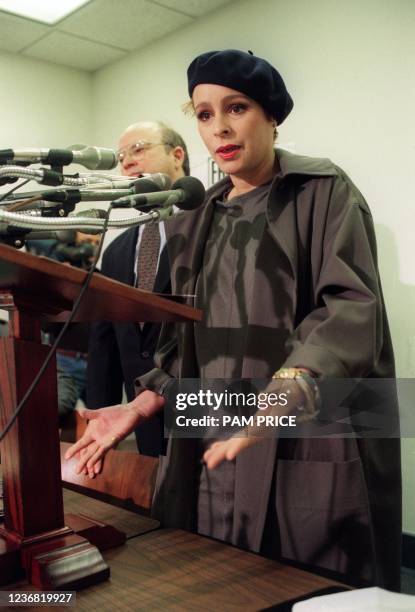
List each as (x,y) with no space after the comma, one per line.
(107,426)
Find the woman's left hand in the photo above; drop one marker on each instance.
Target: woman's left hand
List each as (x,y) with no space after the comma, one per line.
(227,449)
(250,435)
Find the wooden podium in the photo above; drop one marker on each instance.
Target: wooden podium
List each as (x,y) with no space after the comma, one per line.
(35,538)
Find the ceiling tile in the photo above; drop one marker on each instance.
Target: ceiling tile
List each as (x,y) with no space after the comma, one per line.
(195,8)
(138,23)
(68,50)
(17,32)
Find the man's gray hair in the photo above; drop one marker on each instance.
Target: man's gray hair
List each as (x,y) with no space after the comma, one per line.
(171,138)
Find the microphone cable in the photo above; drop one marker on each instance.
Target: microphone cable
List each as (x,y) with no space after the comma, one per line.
(18,204)
(54,346)
(3,196)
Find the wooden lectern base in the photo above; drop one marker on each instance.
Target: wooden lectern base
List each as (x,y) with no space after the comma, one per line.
(34,537)
(60,562)
(70,563)
(68,558)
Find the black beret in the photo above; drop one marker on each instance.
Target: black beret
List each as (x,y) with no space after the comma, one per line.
(244,72)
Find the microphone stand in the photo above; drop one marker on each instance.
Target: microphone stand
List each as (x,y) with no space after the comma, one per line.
(16,227)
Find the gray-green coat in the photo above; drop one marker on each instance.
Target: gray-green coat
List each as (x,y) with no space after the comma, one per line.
(317,304)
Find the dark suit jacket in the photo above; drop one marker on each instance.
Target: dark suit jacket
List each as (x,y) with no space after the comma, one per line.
(119,352)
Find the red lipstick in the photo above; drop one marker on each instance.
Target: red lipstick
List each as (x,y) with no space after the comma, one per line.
(228,151)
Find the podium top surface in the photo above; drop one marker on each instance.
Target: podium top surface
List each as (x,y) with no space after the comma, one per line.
(49,288)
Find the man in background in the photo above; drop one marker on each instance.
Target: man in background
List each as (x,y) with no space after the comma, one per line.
(119,352)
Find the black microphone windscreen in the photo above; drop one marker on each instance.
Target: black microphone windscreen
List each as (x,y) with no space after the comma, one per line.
(162,180)
(194,192)
(146,186)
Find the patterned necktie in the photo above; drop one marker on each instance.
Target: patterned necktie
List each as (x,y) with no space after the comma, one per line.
(147,257)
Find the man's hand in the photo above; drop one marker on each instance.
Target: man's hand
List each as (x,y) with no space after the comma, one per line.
(107,426)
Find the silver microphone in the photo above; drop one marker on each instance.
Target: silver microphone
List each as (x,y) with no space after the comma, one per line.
(93,158)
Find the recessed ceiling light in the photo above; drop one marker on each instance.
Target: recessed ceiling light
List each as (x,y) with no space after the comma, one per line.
(46,11)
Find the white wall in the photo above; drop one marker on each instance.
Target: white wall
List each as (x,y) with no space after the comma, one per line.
(42,104)
(349,66)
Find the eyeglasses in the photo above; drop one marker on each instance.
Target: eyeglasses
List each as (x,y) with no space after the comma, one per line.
(139,149)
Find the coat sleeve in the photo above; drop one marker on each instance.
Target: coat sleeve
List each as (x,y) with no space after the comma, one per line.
(342,335)
(166,361)
(104,370)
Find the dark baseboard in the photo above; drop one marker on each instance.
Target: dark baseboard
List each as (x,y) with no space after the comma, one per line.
(408,550)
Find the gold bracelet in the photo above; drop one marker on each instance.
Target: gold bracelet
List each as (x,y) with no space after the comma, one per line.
(308,386)
(290,373)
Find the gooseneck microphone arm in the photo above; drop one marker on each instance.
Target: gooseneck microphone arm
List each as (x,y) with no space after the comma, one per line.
(87,224)
(187,193)
(42,175)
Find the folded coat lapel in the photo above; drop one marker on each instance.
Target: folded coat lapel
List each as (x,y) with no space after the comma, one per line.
(274,287)
(281,219)
(186,238)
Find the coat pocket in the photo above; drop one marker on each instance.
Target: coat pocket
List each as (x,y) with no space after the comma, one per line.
(323,514)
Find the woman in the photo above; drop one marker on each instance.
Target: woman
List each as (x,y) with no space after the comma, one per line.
(282,261)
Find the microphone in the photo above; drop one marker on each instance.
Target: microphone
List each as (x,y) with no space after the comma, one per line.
(162,181)
(153,182)
(73,196)
(187,193)
(92,213)
(143,184)
(146,183)
(191,193)
(93,158)
(95,180)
